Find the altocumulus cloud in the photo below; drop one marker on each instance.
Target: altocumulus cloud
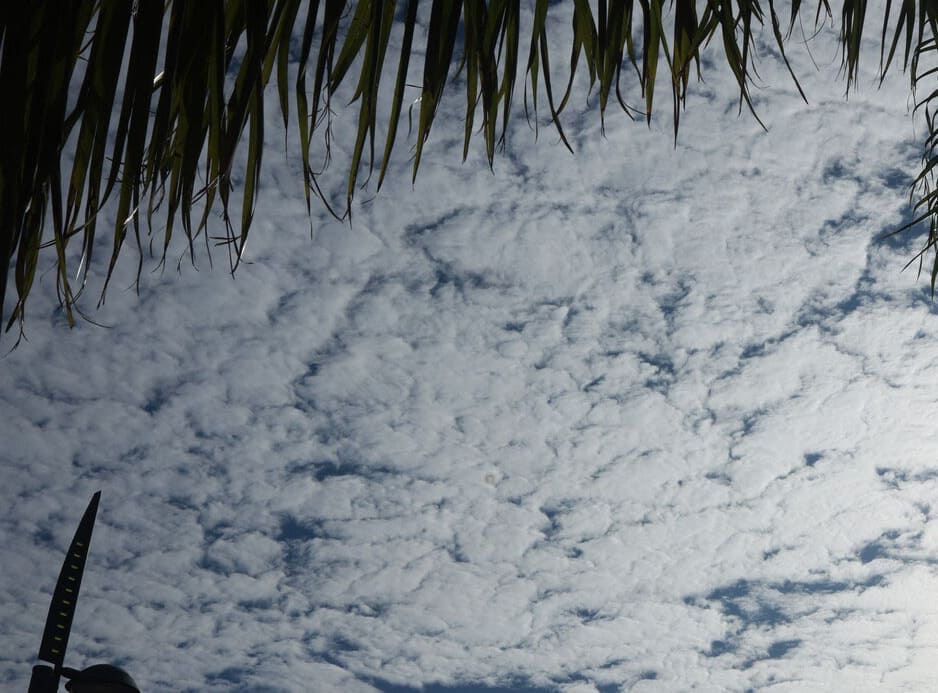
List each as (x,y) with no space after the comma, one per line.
(643,418)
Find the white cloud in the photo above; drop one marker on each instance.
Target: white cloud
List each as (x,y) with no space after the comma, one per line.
(643,417)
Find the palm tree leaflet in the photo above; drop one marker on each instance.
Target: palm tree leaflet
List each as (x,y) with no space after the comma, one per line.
(168,145)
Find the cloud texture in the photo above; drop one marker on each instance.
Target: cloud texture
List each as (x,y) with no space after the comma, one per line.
(649,417)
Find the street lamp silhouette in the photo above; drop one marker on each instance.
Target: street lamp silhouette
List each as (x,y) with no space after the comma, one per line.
(99,678)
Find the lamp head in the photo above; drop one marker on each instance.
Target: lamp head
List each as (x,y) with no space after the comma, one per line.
(100,678)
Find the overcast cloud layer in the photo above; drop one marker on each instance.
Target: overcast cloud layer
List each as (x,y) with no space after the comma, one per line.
(643,418)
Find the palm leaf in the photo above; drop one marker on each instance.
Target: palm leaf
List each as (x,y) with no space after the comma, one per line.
(179,125)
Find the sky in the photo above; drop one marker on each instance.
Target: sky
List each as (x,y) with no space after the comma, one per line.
(646,417)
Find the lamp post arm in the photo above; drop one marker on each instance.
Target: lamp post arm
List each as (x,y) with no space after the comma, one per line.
(45,679)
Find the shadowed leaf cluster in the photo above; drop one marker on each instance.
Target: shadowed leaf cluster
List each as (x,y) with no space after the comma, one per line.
(156,98)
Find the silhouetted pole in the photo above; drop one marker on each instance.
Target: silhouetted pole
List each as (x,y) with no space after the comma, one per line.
(100,678)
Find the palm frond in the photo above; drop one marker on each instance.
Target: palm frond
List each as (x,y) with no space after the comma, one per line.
(167,149)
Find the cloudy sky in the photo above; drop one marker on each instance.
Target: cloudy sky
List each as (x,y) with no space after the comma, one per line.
(643,418)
